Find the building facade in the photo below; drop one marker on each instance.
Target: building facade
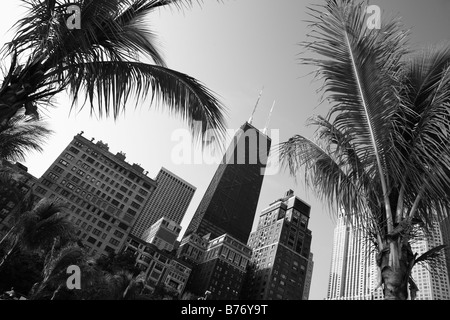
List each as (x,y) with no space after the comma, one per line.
(222,269)
(104,193)
(353,274)
(432,285)
(230,201)
(192,248)
(308,278)
(163,234)
(160,267)
(281,265)
(170,199)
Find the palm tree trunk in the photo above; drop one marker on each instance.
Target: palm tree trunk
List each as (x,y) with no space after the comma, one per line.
(396,278)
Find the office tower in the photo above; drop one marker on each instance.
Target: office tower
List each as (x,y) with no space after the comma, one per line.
(105,193)
(161,267)
(281,261)
(170,199)
(24,181)
(435,285)
(308,278)
(163,234)
(221,270)
(445,233)
(230,201)
(353,274)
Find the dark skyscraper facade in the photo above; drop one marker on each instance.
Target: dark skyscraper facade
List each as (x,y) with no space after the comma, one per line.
(230,202)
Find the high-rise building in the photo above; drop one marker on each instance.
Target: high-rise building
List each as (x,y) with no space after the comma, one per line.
(308,278)
(104,193)
(221,270)
(170,199)
(281,261)
(230,201)
(445,233)
(163,234)
(353,274)
(432,285)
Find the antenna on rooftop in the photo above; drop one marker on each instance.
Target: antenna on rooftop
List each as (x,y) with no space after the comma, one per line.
(268,118)
(254,109)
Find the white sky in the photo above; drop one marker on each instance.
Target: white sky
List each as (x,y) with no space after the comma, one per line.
(234,48)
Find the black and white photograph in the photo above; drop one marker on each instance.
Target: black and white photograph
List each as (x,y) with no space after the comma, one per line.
(214,157)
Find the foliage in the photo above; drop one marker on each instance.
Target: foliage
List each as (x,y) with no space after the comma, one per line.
(22,270)
(37,229)
(115,262)
(21,134)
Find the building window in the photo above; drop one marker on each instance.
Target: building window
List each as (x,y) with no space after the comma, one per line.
(74,150)
(135,205)
(52,176)
(114,242)
(41,190)
(131,211)
(118,234)
(91,240)
(101,224)
(139,198)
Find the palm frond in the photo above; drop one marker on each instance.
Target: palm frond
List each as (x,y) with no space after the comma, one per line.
(110,84)
(19,136)
(329,177)
(430,254)
(359,68)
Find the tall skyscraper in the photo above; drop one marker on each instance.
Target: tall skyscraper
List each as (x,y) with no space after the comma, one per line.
(435,285)
(281,264)
(105,193)
(353,274)
(230,201)
(308,278)
(170,199)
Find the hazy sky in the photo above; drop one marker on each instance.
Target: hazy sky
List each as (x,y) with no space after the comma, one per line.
(234,48)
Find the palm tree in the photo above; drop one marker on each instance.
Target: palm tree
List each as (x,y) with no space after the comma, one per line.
(53,285)
(37,229)
(96,283)
(20,134)
(108,60)
(381,156)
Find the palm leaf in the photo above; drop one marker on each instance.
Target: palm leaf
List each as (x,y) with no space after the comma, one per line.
(359,69)
(19,135)
(110,84)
